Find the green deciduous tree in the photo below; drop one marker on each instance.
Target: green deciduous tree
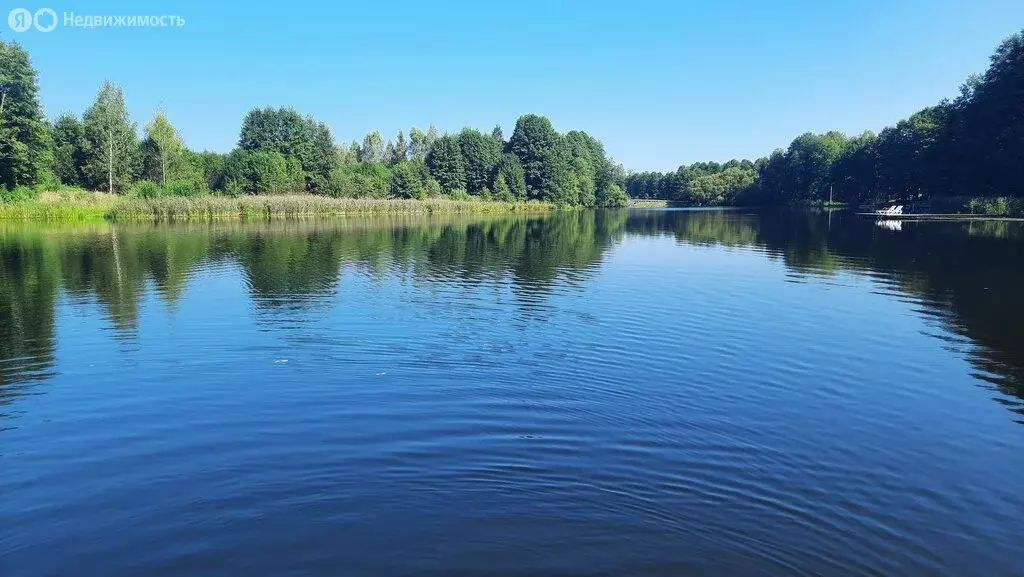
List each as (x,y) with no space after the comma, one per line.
(536,144)
(409,179)
(262,172)
(111,143)
(304,139)
(481,154)
(613,197)
(349,154)
(511,172)
(361,180)
(417,144)
(163,140)
(372,150)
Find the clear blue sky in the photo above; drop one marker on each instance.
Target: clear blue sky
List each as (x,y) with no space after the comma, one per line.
(660,83)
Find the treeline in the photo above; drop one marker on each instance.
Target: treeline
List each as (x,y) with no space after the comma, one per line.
(281,151)
(967,147)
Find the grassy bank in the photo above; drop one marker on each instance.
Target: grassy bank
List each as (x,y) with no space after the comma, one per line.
(649,203)
(83,206)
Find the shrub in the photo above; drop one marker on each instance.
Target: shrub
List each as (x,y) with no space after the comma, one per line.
(460,194)
(18,194)
(233,187)
(362,180)
(263,172)
(612,197)
(408,179)
(181,188)
(144,189)
(433,188)
(997,206)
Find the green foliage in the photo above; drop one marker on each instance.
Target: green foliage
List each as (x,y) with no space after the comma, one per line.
(111,148)
(433,188)
(304,142)
(447,164)
(211,166)
(144,189)
(481,154)
(720,188)
(181,188)
(282,130)
(348,154)
(409,179)
(613,197)
(69,150)
(460,194)
(418,147)
(398,150)
(322,157)
(997,206)
(25,145)
(372,151)
(535,143)
(586,155)
(988,126)
(362,180)
(971,146)
(511,172)
(502,191)
(233,187)
(263,172)
(162,150)
(18,194)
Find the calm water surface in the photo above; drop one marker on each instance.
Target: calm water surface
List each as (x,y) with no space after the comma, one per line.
(619,393)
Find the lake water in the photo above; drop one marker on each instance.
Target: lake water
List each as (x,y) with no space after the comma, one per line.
(614,393)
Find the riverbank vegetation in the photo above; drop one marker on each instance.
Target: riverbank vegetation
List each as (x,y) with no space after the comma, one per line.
(72,205)
(281,152)
(967,154)
(969,149)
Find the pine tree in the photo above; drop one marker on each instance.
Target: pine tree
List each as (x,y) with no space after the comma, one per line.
(447,164)
(399,150)
(69,150)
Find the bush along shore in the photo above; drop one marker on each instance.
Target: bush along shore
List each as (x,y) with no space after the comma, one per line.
(83,206)
(280,151)
(970,146)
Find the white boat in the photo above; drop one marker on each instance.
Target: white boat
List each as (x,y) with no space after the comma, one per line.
(894,210)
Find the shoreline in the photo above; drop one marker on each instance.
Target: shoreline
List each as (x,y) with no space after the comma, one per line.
(83,206)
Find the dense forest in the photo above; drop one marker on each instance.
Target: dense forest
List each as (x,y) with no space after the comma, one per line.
(281,151)
(972,146)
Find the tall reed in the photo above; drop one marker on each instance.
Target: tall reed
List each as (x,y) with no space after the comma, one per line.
(85,206)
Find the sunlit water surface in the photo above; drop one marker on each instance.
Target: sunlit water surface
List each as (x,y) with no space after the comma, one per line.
(613,393)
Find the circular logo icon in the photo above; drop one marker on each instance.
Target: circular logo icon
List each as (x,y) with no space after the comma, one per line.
(45,19)
(20,19)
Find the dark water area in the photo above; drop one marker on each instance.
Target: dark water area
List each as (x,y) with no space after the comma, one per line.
(646,392)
